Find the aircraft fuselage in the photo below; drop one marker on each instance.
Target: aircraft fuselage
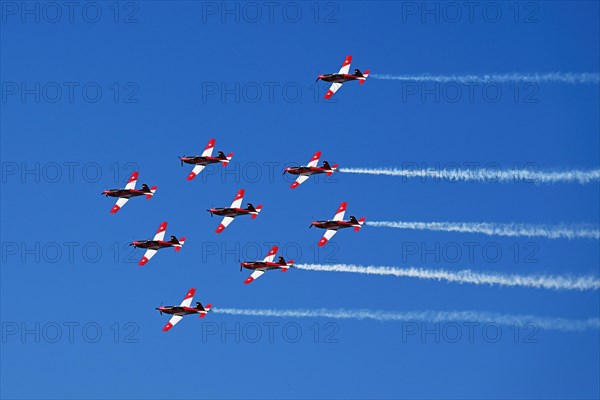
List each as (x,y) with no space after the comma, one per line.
(304,170)
(178,310)
(338,78)
(201,160)
(229,212)
(152,244)
(334,225)
(261,265)
(126,193)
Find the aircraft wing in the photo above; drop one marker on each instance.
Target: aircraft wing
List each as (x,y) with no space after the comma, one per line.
(346,66)
(298,181)
(255,275)
(271,255)
(132,180)
(339,214)
(120,203)
(328,235)
(160,233)
(147,256)
(315,159)
(188,298)
(209,148)
(237,202)
(224,224)
(197,169)
(334,88)
(172,322)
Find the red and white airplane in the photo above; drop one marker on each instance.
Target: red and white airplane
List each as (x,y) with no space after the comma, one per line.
(337,223)
(205,159)
(229,213)
(260,267)
(341,77)
(183,309)
(130,191)
(311,169)
(157,243)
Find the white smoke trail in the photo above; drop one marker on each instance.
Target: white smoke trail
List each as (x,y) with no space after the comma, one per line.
(550,77)
(559,324)
(486,175)
(552,282)
(581,231)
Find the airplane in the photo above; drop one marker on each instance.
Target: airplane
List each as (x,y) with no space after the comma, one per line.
(157,243)
(130,191)
(183,309)
(205,159)
(342,76)
(337,223)
(305,172)
(260,267)
(229,213)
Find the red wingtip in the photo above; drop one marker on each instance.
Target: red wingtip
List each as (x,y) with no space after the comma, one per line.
(294,185)
(328,94)
(133,177)
(143,261)
(247,281)
(162,227)
(167,327)
(115,209)
(220,228)
(190,176)
(211,144)
(322,242)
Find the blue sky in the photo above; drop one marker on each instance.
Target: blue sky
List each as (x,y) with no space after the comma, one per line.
(169,80)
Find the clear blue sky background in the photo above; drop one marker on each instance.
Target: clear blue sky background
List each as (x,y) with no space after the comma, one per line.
(173,54)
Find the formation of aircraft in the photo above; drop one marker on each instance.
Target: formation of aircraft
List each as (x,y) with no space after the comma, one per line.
(128,192)
(229,213)
(200,162)
(337,223)
(342,77)
(260,267)
(310,169)
(157,243)
(183,309)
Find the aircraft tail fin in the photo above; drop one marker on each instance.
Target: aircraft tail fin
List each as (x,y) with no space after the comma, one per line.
(207,309)
(181,242)
(256,211)
(333,169)
(288,264)
(152,190)
(360,223)
(227,159)
(365,75)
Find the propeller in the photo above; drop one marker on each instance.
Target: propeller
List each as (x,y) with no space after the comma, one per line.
(211,214)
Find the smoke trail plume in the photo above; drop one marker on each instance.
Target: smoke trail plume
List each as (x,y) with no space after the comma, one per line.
(549,77)
(558,324)
(552,282)
(582,231)
(486,175)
